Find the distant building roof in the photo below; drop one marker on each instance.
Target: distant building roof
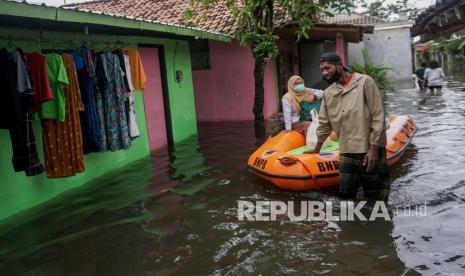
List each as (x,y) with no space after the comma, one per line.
(363,19)
(421,48)
(354,18)
(442,18)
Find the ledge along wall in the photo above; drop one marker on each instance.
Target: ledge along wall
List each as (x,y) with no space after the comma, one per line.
(18,192)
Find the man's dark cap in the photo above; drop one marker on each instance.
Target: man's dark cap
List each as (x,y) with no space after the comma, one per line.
(331,58)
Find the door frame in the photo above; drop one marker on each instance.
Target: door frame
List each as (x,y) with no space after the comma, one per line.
(164,86)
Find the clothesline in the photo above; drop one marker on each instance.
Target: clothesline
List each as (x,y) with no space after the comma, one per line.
(83,41)
(84,98)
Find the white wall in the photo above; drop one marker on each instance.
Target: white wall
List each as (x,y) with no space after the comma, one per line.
(392,48)
(355,53)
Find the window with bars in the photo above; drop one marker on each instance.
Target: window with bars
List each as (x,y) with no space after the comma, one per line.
(200,54)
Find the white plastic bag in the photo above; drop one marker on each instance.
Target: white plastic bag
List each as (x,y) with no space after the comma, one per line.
(312,138)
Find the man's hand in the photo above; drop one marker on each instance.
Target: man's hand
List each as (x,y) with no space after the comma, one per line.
(313,151)
(370,158)
(316,150)
(311,96)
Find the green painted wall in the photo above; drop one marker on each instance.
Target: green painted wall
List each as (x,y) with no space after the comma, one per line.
(181,95)
(18,192)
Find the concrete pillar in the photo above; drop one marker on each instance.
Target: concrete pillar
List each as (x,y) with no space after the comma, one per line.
(341,48)
(450,58)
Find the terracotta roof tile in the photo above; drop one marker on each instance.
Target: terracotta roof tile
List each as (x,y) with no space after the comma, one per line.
(218,19)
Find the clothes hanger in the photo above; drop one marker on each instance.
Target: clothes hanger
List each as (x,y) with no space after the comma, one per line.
(10,44)
(117,47)
(69,48)
(108,47)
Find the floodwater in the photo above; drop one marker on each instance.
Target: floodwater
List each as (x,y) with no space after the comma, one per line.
(175,213)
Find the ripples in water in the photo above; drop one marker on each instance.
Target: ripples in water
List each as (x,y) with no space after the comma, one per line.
(175,212)
(433,244)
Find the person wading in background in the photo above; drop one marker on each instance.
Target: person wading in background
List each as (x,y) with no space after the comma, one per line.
(434,77)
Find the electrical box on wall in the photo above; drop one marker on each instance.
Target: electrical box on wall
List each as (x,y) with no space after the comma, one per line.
(178,76)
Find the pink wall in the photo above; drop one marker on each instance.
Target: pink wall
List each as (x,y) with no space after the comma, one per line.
(341,48)
(153,99)
(226,91)
(291,46)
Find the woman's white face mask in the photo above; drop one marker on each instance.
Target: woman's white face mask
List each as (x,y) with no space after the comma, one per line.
(299,88)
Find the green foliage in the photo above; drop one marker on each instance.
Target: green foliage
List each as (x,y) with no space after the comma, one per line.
(257,19)
(275,125)
(187,14)
(462,44)
(451,46)
(378,73)
(381,9)
(263,43)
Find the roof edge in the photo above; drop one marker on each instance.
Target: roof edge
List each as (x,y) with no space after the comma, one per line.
(68,14)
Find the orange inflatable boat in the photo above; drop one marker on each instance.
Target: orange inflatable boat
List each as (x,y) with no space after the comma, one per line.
(281,161)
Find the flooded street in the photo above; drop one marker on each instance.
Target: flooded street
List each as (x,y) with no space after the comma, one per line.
(433,172)
(175,212)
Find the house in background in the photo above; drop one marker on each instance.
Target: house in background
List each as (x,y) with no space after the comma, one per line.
(389,43)
(165,112)
(422,52)
(325,36)
(223,71)
(175,98)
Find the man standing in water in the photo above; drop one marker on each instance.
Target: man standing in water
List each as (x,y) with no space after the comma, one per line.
(352,106)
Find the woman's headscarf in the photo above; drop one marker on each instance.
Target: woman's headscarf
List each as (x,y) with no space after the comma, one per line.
(294,97)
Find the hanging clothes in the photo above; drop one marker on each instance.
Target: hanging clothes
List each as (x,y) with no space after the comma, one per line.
(55,109)
(120,55)
(111,100)
(91,130)
(16,97)
(131,110)
(63,148)
(137,69)
(100,81)
(41,84)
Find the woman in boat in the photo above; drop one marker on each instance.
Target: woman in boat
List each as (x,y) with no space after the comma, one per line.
(298,103)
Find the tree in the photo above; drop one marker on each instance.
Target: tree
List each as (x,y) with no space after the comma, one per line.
(257,21)
(380,9)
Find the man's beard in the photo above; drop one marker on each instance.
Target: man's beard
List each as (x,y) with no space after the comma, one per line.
(334,78)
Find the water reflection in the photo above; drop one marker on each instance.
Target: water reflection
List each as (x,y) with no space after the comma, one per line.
(175,212)
(433,244)
(105,203)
